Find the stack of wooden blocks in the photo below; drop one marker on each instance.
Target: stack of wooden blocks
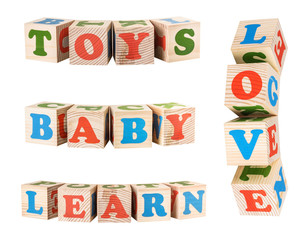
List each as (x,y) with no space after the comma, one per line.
(127,126)
(252,140)
(113,202)
(89,42)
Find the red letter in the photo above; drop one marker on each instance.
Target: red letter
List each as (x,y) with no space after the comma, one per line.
(96,43)
(251,201)
(133,52)
(173,197)
(88,132)
(237,87)
(115,206)
(61,118)
(160,41)
(70,206)
(281,47)
(272,139)
(174,119)
(63,34)
(54,195)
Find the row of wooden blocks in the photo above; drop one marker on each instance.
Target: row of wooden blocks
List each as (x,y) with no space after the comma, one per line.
(113,202)
(89,42)
(252,140)
(127,126)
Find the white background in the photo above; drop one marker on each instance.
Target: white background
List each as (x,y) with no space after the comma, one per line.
(200,83)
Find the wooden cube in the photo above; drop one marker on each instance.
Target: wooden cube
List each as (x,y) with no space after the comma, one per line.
(260,190)
(90,42)
(176,39)
(188,199)
(252,89)
(151,202)
(114,203)
(46,39)
(133,42)
(259,41)
(252,141)
(88,126)
(40,199)
(131,126)
(173,123)
(46,123)
(77,202)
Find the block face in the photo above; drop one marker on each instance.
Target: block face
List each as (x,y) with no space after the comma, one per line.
(173,123)
(46,39)
(114,203)
(131,126)
(260,190)
(188,199)
(90,42)
(252,141)
(252,89)
(88,126)
(151,202)
(260,41)
(133,42)
(46,123)
(39,199)
(176,39)
(77,202)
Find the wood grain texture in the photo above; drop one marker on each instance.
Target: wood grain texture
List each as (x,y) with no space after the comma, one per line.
(123,53)
(265,72)
(98,39)
(104,201)
(261,153)
(167,135)
(45,198)
(52,46)
(264,183)
(269,28)
(165,32)
(98,118)
(179,200)
(53,112)
(138,202)
(79,207)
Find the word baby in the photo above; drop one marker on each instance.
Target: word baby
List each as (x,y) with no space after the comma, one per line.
(113,203)
(90,42)
(252,140)
(127,126)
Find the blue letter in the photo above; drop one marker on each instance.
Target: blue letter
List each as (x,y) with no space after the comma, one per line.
(280,186)
(245,148)
(37,126)
(172,21)
(272,97)
(196,203)
(31,203)
(141,134)
(156,125)
(250,35)
(50,21)
(157,204)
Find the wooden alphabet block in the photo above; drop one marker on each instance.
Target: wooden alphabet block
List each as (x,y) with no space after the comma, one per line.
(252,89)
(260,190)
(77,202)
(46,39)
(133,42)
(131,126)
(88,126)
(188,199)
(173,123)
(114,203)
(252,141)
(151,202)
(40,199)
(176,39)
(46,123)
(259,41)
(90,42)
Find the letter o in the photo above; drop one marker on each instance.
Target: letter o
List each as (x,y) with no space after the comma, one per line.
(96,43)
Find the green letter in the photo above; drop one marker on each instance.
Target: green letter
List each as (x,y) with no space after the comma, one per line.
(251,109)
(169,105)
(181,40)
(40,51)
(254,171)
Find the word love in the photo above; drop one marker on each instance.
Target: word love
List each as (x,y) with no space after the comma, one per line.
(113,203)
(127,126)
(90,42)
